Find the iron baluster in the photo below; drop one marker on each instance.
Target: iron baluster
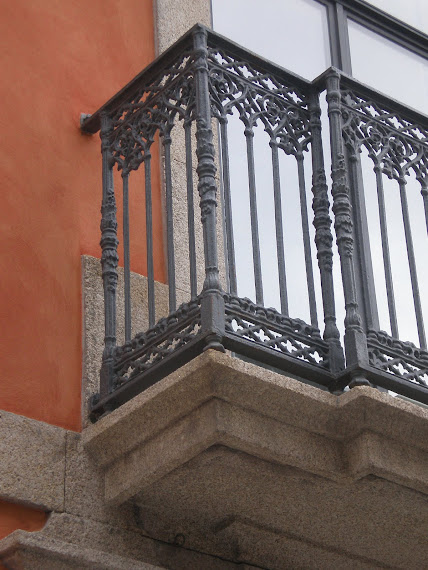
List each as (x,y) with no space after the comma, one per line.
(126,256)
(355,338)
(230,245)
(109,257)
(190,209)
(212,302)
(169,222)
(324,237)
(363,267)
(257,265)
(412,263)
(385,251)
(149,237)
(306,240)
(279,230)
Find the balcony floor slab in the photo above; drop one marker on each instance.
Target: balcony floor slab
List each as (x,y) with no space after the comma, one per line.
(263,469)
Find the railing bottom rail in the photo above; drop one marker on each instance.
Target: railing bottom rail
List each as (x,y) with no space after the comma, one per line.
(265,335)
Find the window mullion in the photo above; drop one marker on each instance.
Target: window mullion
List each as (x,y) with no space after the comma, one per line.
(339,40)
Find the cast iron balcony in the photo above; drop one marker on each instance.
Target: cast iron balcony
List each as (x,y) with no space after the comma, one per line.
(193,89)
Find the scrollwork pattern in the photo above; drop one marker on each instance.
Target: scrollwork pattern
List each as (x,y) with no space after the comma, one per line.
(395,144)
(234,84)
(158,343)
(155,108)
(259,97)
(267,327)
(157,352)
(397,357)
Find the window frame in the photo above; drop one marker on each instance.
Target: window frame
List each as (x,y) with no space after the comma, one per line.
(372,18)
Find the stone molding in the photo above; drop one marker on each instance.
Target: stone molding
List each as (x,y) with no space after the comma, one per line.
(45,466)
(72,543)
(32,462)
(220,400)
(24,550)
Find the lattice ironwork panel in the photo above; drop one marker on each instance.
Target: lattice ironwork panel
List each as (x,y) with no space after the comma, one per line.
(155,108)
(402,359)
(270,329)
(258,96)
(394,142)
(158,343)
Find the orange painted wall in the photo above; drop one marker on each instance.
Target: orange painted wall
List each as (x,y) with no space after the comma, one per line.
(13,517)
(59,58)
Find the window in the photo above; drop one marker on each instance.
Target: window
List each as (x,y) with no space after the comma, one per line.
(285,32)
(362,39)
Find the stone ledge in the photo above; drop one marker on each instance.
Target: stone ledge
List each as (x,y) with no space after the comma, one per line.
(68,542)
(32,466)
(373,454)
(22,550)
(211,374)
(217,399)
(219,423)
(292,553)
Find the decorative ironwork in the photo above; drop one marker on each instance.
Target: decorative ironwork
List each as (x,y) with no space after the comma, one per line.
(324,237)
(202,79)
(402,359)
(155,108)
(267,327)
(158,343)
(395,144)
(275,102)
(109,256)
(355,340)
(259,96)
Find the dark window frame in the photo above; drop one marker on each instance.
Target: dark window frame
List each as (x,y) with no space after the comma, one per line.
(372,18)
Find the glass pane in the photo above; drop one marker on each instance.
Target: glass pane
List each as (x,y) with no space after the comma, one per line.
(413,12)
(388,67)
(293,34)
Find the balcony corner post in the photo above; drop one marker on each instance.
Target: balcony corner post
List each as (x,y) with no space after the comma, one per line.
(212,301)
(109,257)
(323,237)
(355,339)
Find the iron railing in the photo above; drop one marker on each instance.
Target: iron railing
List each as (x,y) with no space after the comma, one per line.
(200,86)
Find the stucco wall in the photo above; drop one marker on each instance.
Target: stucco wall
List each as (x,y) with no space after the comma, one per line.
(58,59)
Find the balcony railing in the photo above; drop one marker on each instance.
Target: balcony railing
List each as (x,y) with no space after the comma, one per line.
(195,91)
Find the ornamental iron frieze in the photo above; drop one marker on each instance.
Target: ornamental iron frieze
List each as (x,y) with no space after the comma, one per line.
(268,328)
(402,359)
(257,96)
(155,109)
(158,343)
(395,144)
